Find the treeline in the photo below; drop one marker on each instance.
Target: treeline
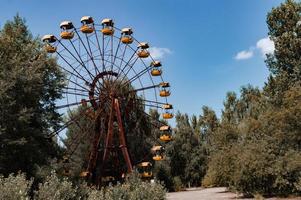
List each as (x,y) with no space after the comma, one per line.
(255,146)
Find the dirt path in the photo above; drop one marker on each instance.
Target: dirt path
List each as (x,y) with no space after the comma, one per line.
(219,193)
(203,194)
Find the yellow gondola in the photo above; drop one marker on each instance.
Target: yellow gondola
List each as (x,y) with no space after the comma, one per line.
(65,160)
(67,30)
(107,27)
(164,91)
(156,71)
(168,111)
(87,24)
(158,153)
(143,52)
(167,115)
(66,172)
(145,170)
(126,37)
(84,174)
(165,133)
(66,166)
(49,40)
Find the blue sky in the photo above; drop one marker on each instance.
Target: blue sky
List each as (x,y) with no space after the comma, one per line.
(199,40)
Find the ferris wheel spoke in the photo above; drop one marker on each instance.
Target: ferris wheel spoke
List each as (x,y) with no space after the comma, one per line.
(132,56)
(80,62)
(89,54)
(75,83)
(65,125)
(71,73)
(74,93)
(150,105)
(116,52)
(112,50)
(74,120)
(144,88)
(138,75)
(98,47)
(150,101)
(156,122)
(75,89)
(75,142)
(131,66)
(121,59)
(103,50)
(52,134)
(74,104)
(107,44)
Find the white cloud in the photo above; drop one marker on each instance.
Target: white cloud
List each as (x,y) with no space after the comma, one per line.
(158,52)
(243,55)
(266,46)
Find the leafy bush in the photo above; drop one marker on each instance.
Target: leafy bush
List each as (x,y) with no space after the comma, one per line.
(178,185)
(14,187)
(135,189)
(162,174)
(55,188)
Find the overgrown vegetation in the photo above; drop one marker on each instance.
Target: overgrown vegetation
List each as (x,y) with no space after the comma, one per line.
(30,82)
(17,187)
(253,148)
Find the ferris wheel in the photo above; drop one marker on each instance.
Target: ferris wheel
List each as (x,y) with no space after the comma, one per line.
(113,80)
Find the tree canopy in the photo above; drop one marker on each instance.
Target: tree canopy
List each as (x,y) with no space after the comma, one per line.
(30,83)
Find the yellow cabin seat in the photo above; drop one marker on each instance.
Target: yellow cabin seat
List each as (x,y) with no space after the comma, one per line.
(165,137)
(67,35)
(126,40)
(157,157)
(107,31)
(156,72)
(143,54)
(50,49)
(84,174)
(167,115)
(164,93)
(146,174)
(86,29)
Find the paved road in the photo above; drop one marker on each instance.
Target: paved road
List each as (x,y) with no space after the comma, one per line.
(218,193)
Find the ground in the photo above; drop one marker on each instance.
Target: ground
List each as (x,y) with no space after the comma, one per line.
(219,193)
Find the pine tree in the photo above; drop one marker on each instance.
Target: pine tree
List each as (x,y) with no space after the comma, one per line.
(30,82)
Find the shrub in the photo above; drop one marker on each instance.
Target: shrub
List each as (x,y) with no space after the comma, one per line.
(134,189)
(15,187)
(55,189)
(178,185)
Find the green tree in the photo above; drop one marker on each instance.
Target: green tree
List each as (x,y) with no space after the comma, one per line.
(285,28)
(30,82)
(284,23)
(187,151)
